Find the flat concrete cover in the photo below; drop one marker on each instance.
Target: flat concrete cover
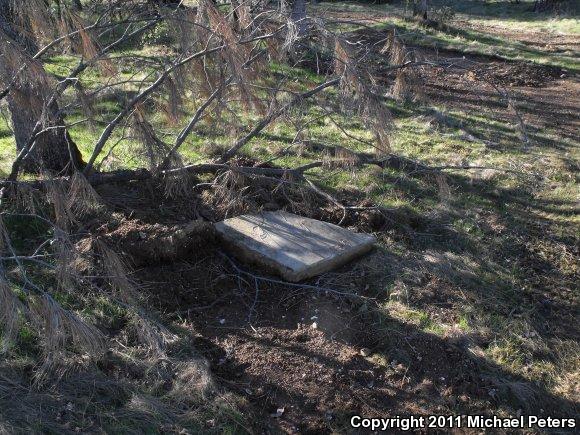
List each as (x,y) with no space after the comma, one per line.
(294,246)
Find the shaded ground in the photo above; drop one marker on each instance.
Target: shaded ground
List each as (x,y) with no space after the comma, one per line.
(469,305)
(296,354)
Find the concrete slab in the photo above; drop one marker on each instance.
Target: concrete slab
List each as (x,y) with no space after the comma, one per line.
(293,246)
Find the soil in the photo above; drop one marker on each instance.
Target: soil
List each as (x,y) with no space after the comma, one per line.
(297,354)
(544,96)
(520,74)
(147,243)
(306,360)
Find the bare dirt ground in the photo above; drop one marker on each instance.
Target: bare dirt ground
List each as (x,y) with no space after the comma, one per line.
(304,359)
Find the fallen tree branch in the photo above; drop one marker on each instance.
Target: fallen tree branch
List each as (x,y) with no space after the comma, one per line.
(44,50)
(264,122)
(241,271)
(63,85)
(127,175)
(108,131)
(194,120)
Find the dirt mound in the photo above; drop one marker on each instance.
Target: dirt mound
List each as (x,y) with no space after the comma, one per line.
(153,243)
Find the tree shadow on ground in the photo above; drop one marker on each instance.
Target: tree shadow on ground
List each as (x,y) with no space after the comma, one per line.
(520,11)
(318,375)
(320,379)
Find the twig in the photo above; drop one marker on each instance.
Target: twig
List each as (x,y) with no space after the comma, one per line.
(264,122)
(241,271)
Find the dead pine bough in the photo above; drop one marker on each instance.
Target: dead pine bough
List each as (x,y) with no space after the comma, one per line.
(99,259)
(112,277)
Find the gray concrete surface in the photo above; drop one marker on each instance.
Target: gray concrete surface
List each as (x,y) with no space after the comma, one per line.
(293,246)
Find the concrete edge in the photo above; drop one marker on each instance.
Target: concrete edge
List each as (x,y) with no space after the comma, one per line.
(248,255)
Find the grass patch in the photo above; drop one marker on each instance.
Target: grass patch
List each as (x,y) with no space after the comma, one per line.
(473,39)
(488,254)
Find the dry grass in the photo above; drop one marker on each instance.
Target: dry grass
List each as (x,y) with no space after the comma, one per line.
(445,275)
(11,309)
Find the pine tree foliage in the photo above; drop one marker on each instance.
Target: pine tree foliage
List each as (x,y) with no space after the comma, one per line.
(215,64)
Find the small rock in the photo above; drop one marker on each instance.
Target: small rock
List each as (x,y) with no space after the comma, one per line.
(279,412)
(315,325)
(222,321)
(365,351)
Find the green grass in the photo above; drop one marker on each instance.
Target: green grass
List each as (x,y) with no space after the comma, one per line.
(517,16)
(7,145)
(482,241)
(480,43)
(472,38)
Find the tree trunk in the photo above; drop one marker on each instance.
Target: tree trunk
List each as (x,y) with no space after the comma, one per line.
(53,150)
(420,9)
(546,5)
(298,16)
